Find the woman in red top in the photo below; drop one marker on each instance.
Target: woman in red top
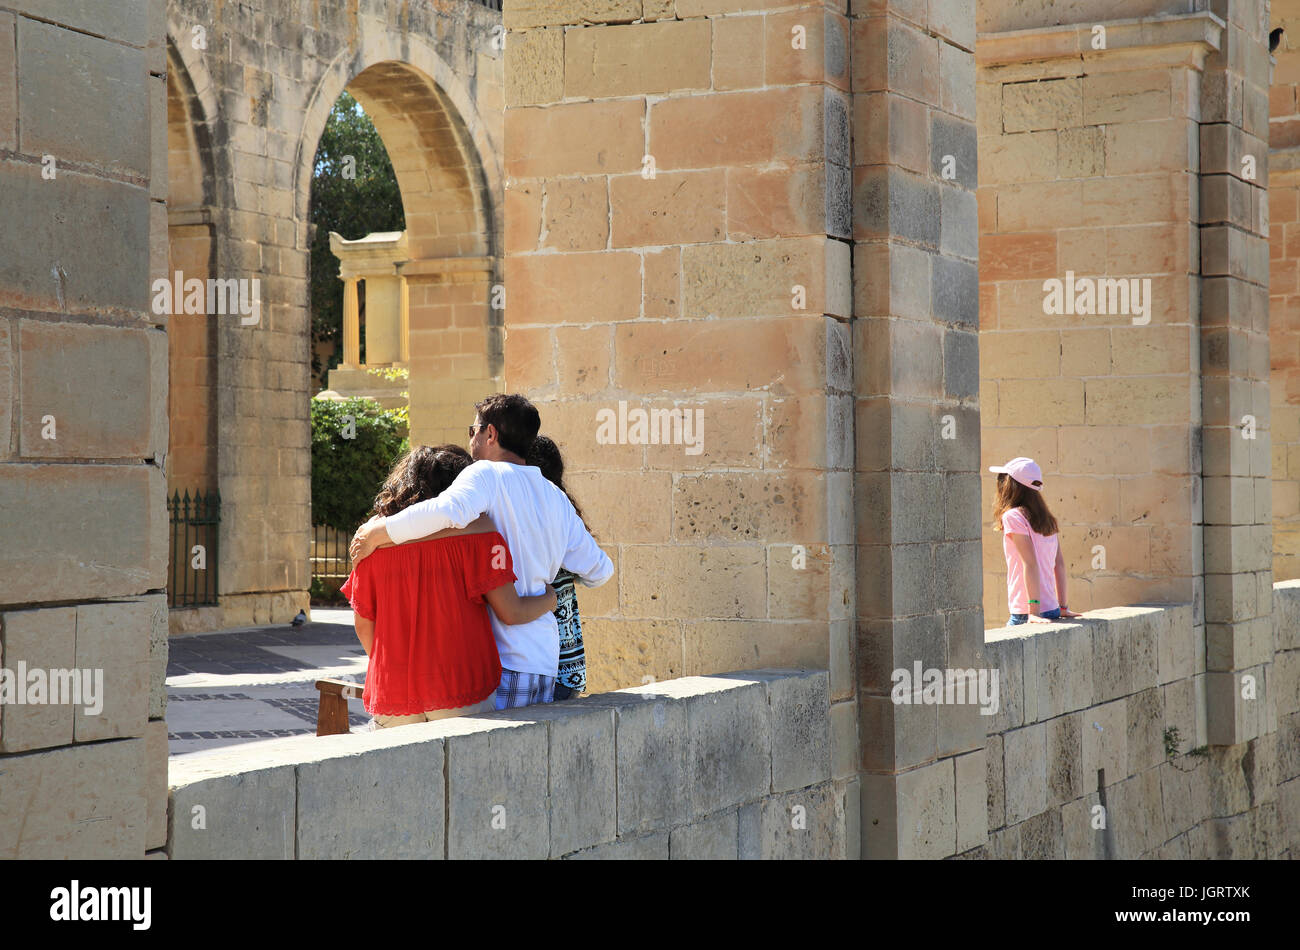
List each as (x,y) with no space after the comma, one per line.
(420,609)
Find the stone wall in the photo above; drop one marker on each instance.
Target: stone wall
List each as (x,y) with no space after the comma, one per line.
(1088,164)
(729,766)
(677,207)
(83,424)
(1284,287)
(251,88)
(1083,719)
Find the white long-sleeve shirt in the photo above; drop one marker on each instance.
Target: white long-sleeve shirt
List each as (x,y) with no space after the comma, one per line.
(543,533)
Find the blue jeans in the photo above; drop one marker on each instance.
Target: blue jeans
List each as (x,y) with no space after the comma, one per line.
(1053,614)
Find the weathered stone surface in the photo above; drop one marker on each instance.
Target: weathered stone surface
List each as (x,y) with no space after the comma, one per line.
(582,772)
(798,709)
(155,765)
(6,381)
(535,67)
(911,815)
(497,799)
(97,226)
(115,638)
(1025,752)
(8,84)
(971,777)
(158,650)
(105,116)
(1105,742)
(611,61)
(240,814)
(110,539)
(42,640)
(715,838)
(729,757)
(128,23)
(804,825)
(58,805)
(650,847)
(380,803)
(69,410)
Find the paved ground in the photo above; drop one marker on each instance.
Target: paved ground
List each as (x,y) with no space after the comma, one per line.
(249,685)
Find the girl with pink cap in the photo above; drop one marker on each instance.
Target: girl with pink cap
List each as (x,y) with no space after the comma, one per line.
(1035,565)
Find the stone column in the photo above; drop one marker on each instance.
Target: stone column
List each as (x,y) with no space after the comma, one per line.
(916,385)
(404,320)
(83,425)
(1237,463)
(449,348)
(351,324)
(677,225)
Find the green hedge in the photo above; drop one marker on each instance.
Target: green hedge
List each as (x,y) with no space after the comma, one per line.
(347,473)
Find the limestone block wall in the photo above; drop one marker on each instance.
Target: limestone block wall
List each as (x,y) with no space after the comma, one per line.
(257,82)
(1284,357)
(1082,723)
(731,766)
(1088,165)
(916,415)
(677,208)
(83,425)
(1284,291)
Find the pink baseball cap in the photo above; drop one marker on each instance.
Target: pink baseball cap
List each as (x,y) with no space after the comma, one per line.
(1024,470)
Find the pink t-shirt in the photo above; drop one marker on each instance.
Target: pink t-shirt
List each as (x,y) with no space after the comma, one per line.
(1045,548)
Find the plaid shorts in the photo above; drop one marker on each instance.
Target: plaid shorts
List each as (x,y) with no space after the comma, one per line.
(524,689)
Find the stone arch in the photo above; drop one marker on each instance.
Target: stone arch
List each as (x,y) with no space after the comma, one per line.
(450,181)
(448,101)
(191,251)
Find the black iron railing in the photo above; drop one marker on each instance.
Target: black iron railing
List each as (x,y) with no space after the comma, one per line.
(192,575)
(330,562)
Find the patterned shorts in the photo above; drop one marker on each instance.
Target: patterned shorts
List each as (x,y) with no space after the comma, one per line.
(524,689)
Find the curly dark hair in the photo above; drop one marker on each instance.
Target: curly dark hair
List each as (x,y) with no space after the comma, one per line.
(419,475)
(515,419)
(545,454)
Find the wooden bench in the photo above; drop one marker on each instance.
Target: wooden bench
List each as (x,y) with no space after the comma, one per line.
(332,714)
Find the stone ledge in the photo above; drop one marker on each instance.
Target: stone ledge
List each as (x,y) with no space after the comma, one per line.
(609,775)
(1202,29)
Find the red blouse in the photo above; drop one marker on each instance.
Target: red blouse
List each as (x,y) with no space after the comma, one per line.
(433,646)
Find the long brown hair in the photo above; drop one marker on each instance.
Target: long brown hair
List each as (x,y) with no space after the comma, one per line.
(1012,494)
(545,454)
(419,475)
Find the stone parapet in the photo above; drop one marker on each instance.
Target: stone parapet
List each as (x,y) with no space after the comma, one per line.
(726,766)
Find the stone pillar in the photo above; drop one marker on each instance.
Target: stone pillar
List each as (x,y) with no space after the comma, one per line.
(351,324)
(1284,348)
(1237,464)
(404,320)
(449,337)
(83,425)
(677,225)
(915,302)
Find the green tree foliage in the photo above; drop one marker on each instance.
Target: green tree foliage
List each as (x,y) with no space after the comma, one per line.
(347,473)
(352,206)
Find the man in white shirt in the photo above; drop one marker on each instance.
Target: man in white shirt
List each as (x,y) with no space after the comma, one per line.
(541,529)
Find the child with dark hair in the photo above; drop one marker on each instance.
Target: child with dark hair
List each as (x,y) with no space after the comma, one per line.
(1036,576)
(572,678)
(420,611)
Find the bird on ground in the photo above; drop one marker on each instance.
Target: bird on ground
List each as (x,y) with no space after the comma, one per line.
(299,620)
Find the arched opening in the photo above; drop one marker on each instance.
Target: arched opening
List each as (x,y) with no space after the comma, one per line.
(192,349)
(453,336)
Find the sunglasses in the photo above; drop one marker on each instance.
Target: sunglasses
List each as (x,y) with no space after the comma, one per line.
(473,428)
